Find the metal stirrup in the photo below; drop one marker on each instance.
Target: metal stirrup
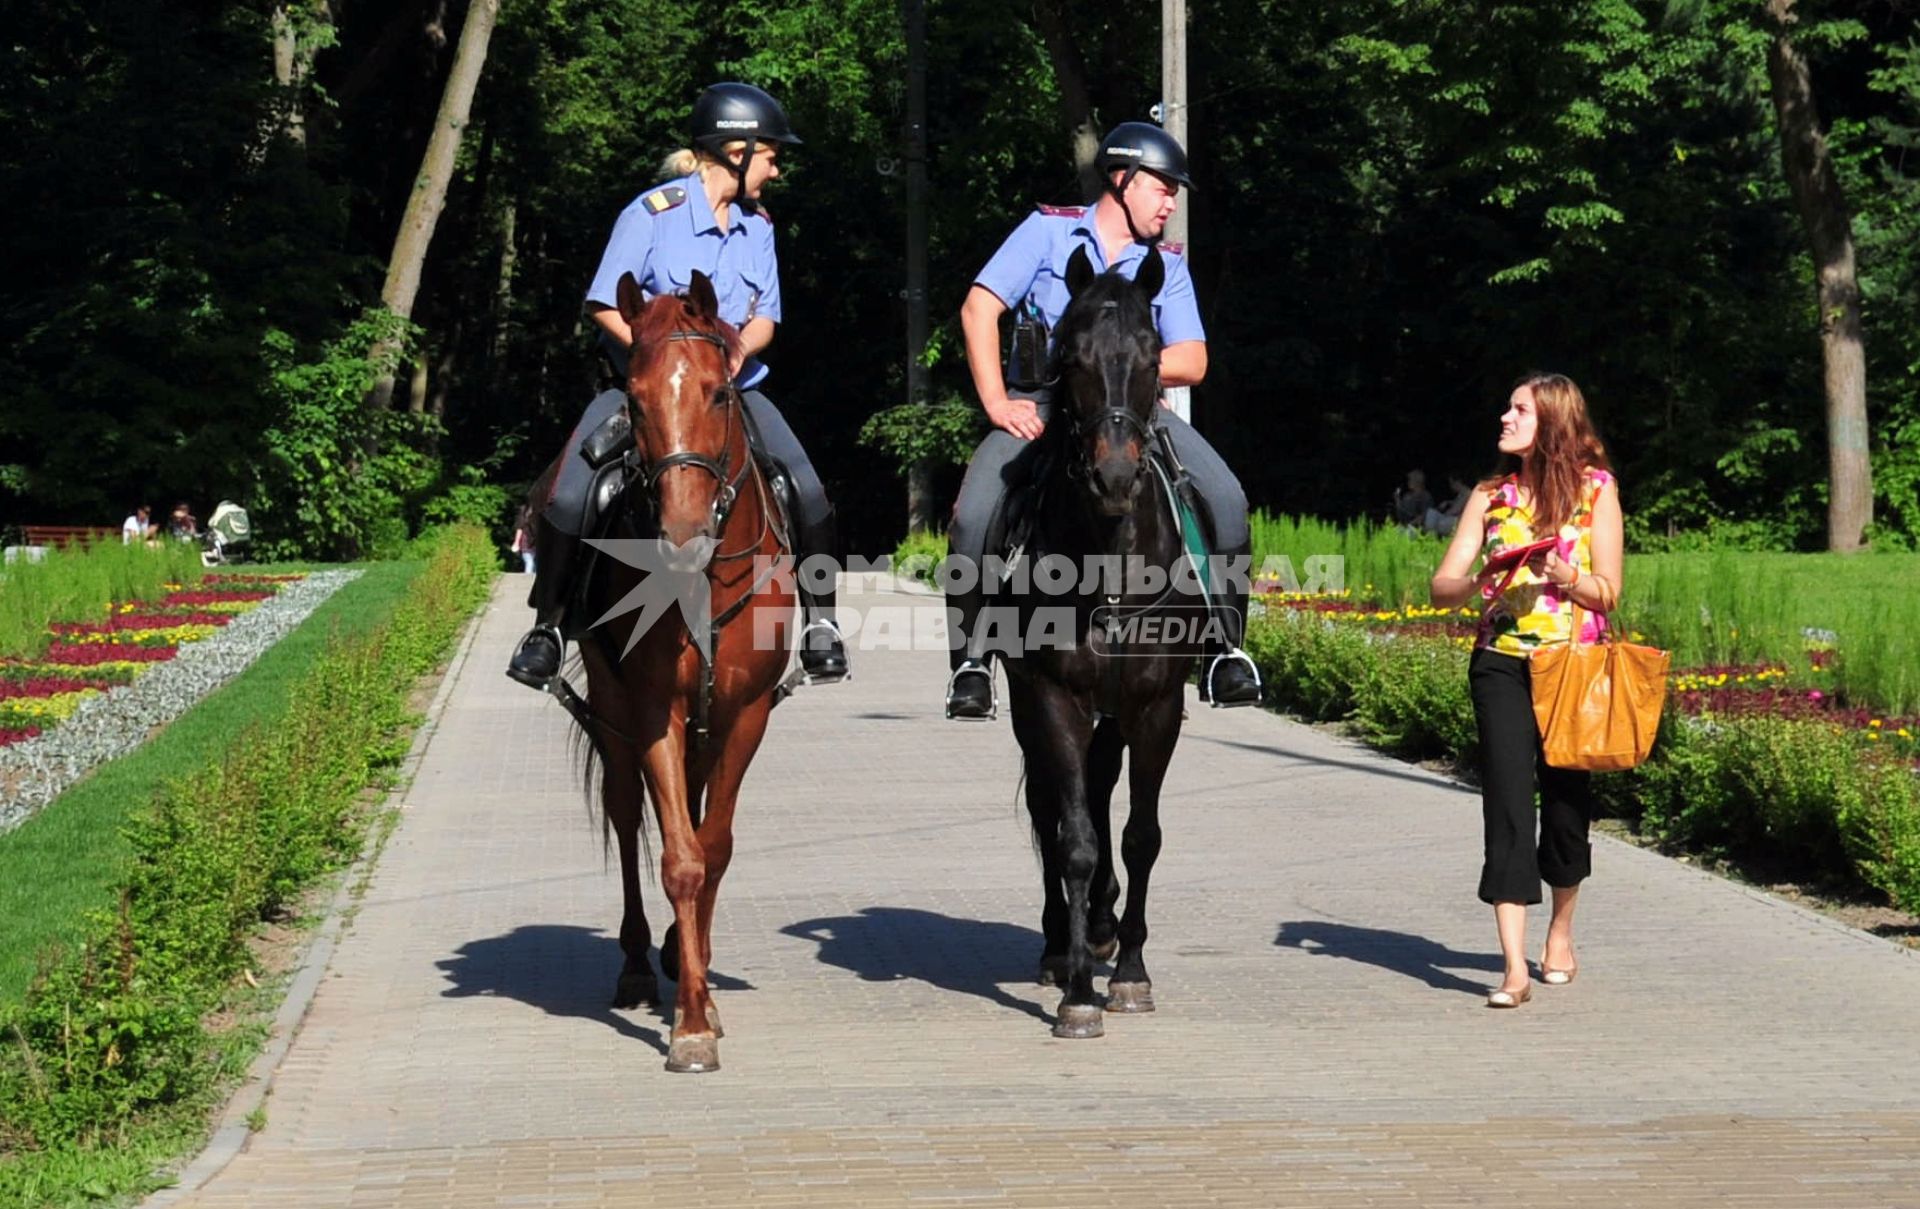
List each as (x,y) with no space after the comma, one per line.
(1234,654)
(973,667)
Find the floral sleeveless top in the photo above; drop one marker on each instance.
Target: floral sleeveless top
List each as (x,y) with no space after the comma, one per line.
(1532,613)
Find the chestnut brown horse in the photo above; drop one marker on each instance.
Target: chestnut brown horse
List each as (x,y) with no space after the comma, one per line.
(670,721)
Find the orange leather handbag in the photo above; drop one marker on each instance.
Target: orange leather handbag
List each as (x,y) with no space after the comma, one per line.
(1598,704)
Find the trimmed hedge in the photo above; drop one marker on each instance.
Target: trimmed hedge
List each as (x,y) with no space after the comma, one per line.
(1819,797)
(114,1035)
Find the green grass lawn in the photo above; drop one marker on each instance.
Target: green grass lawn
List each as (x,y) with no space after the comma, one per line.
(62,863)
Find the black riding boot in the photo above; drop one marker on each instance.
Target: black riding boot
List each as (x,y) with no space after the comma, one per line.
(970,694)
(823,653)
(1229,677)
(537,660)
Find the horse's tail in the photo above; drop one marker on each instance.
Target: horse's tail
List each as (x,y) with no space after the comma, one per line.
(589,755)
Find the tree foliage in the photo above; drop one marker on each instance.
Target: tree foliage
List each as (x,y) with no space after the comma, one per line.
(1403,205)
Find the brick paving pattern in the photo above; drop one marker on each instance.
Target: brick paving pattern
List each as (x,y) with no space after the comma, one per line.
(1319,962)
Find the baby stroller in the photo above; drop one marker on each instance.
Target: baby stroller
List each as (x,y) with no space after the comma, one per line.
(229,535)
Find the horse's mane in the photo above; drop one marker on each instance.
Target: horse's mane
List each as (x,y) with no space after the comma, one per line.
(1091,330)
(668,313)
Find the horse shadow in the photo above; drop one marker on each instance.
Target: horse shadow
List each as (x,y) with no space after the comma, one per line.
(965,956)
(1400,952)
(563,970)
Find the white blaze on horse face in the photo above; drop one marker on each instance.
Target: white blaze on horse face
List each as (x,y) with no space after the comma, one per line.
(679,375)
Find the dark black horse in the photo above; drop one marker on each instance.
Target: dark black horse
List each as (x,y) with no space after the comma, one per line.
(1114,682)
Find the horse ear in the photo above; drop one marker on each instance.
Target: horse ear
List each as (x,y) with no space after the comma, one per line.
(1080,272)
(627,294)
(706,304)
(1152,274)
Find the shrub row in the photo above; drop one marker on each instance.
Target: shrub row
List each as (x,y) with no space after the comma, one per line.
(1816,797)
(116,1032)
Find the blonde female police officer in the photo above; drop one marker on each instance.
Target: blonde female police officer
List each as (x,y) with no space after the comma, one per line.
(1145,168)
(708,219)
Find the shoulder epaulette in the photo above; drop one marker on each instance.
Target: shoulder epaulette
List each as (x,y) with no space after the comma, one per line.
(1064,211)
(1178,249)
(665,198)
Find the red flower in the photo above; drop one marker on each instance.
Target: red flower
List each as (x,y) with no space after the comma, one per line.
(86,654)
(18,736)
(207,598)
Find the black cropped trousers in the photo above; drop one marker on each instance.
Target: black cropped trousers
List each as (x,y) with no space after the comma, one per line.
(1512,768)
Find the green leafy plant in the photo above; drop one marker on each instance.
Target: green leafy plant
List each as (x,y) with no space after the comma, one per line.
(940,434)
(338,473)
(919,554)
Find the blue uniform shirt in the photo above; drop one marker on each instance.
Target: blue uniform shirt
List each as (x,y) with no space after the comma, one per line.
(669,231)
(1033,264)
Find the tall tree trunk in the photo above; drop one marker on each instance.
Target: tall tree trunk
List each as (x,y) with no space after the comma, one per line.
(503,282)
(1050,17)
(1823,213)
(436,171)
(289,72)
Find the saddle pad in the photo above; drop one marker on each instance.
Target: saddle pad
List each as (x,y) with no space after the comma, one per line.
(1191,534)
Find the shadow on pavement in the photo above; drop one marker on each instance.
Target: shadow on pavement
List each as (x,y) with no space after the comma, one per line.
(563,970)
(1400,952)
(968,956)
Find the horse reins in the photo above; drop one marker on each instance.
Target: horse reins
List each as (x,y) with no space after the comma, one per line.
(728,492)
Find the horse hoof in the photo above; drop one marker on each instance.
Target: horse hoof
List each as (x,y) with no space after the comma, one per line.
(636,989)
(1053,970)
(670,953)
(694,1055)
(1105,950)
(713,1018)
(1079,1020)
(1129,997)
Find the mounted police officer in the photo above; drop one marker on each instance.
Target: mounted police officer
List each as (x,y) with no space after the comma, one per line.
(1145,169)
(706,217)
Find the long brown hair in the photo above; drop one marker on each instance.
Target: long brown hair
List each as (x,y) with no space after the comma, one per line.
(1565,450)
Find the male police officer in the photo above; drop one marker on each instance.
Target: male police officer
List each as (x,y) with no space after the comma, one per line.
(1145,168)
(708,220)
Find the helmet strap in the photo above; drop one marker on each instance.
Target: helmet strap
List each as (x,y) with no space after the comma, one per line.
(747,204)
(1119,194)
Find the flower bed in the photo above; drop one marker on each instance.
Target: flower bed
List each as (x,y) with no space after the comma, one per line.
(101,687)
(87,658)
(1731,691)
(1764,758)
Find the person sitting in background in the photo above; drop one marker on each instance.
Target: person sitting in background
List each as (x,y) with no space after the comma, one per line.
(1443,520)
(182,524)
(136,527)
(1412,502)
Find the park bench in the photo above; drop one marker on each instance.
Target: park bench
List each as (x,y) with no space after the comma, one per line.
(59,536)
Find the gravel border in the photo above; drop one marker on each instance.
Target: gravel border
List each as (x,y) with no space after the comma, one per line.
(38,770)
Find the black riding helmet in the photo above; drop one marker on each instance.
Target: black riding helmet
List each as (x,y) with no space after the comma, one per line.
(726,112)
(1135,145)
(1132,147)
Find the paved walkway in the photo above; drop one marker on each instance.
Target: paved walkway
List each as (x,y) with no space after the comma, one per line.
(1318,958)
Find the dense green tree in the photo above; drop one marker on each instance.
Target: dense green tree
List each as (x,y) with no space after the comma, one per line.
(1403,204)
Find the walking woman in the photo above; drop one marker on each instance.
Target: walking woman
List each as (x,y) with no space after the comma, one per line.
(1560,487)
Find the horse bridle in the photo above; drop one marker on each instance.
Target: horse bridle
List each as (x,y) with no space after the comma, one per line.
(730,483)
